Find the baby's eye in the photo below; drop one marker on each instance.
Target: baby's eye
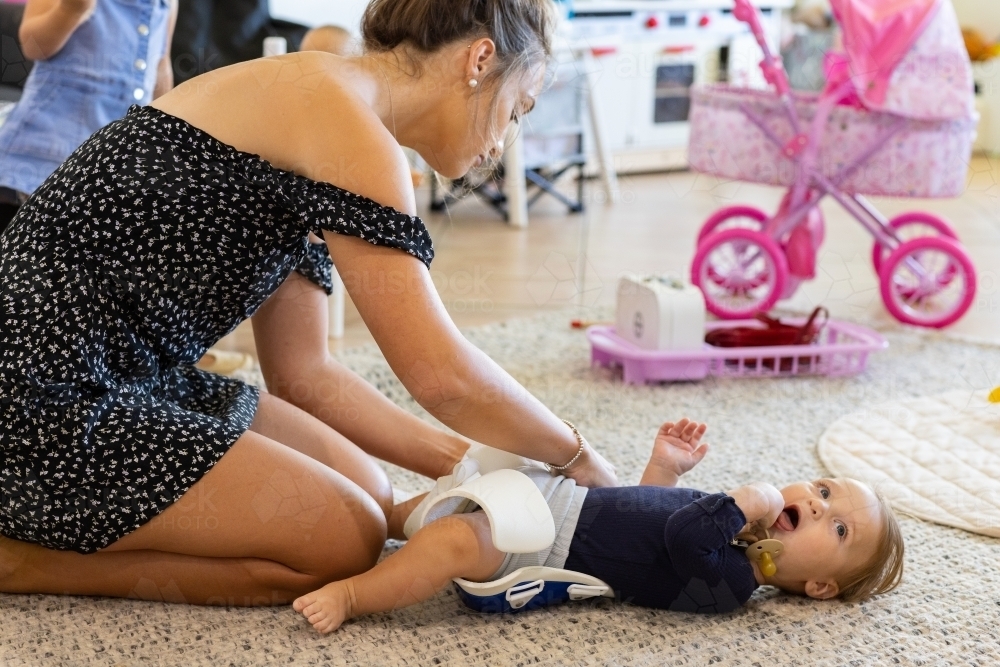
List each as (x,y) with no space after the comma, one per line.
(824,492)
(841,529)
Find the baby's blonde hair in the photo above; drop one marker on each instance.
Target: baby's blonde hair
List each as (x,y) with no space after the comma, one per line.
(884,570)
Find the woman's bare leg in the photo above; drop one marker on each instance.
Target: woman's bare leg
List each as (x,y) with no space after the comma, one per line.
(283,422)
(290,331)
(265,522)
(149,575)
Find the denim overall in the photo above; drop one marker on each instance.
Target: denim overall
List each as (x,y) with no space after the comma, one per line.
(108,64)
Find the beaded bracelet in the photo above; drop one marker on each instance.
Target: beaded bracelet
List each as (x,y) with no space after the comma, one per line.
(579,452)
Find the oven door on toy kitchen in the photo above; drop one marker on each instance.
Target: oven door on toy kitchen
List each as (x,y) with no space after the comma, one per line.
(665,101)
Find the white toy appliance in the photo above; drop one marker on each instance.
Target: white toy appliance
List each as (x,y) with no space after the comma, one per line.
(660,313)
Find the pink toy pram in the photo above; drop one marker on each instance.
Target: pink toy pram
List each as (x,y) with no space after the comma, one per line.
(897,118)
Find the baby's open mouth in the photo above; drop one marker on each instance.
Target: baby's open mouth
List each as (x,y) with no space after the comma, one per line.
(788,520)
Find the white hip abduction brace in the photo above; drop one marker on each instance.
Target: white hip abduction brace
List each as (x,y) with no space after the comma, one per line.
(520,522)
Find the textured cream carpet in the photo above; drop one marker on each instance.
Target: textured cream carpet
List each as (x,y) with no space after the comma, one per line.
(946,613)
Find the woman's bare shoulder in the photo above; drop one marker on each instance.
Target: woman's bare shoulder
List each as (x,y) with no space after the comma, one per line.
(300,113)
(349,146)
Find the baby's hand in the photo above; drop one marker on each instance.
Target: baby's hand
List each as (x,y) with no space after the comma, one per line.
(678,447)
(760,502)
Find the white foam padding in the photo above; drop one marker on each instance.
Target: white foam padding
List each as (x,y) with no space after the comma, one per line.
(935,457)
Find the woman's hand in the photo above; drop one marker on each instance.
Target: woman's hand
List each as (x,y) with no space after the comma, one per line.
(592,470)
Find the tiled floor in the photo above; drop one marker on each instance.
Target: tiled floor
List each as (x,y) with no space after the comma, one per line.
(487,271)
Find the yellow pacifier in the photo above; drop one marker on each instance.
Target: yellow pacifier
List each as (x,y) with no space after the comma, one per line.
(763,553)
(995,395)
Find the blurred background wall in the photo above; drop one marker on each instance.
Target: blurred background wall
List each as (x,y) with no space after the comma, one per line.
(984,15)
(346,13)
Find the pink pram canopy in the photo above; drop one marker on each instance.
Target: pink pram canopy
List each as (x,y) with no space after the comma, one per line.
(907,57)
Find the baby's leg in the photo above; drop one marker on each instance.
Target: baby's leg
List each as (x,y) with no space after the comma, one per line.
(400,513)
(455,546)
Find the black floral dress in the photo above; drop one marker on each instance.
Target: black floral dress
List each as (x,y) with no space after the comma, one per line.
(149,244)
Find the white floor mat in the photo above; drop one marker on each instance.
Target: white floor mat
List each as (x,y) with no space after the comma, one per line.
(935,457)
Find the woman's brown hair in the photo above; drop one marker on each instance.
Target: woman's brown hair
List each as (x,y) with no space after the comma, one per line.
(517,27)
(521,30)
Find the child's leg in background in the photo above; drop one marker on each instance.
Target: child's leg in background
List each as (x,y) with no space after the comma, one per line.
(455,546)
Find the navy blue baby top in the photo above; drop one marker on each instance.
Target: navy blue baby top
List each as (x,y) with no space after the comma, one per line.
(667,548)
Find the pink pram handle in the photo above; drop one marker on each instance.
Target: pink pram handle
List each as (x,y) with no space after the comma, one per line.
(774,72)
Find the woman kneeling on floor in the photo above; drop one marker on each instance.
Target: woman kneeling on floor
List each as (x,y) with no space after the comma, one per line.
(127,471)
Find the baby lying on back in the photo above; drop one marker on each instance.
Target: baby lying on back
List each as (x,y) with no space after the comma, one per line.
(657,545)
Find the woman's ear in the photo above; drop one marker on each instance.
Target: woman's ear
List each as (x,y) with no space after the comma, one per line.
(482,53)
(821,590)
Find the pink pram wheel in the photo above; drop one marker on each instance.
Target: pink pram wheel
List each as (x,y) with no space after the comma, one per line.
(928,281)
(733,216)
(740,271)
(911,225)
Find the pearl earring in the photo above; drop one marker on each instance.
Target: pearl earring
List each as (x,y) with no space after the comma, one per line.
(473,83)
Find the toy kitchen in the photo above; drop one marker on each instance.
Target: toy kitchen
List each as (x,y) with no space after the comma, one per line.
(646,56)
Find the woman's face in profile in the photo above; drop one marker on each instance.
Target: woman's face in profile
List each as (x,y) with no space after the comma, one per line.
(470,134)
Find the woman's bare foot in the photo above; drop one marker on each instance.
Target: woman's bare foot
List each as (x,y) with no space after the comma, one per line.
(224,362)
(327,607)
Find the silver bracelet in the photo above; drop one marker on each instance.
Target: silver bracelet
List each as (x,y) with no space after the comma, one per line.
(579,452)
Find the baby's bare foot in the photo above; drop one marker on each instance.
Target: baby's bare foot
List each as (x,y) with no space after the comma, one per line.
(327,607)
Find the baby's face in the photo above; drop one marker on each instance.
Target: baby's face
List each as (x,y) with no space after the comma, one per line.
(830,528)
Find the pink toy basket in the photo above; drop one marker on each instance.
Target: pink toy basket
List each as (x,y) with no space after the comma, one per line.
(897,118)
(841,348)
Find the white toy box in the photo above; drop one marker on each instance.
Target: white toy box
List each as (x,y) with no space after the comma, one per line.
(660,313)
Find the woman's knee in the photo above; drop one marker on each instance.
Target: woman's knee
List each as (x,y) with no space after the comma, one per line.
(290,425)
(380,491)
(352,540)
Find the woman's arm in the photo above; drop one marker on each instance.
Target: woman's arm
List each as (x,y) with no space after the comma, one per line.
(48,24)
(164,70)
(393,291)
(290,332)
(444,372)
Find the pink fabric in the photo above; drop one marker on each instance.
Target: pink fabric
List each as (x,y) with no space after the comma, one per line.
(906,57)
(836,70)
(934,79)
(927,158)
(877,34)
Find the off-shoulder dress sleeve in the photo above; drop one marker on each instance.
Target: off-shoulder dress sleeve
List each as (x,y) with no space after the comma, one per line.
(326,207)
